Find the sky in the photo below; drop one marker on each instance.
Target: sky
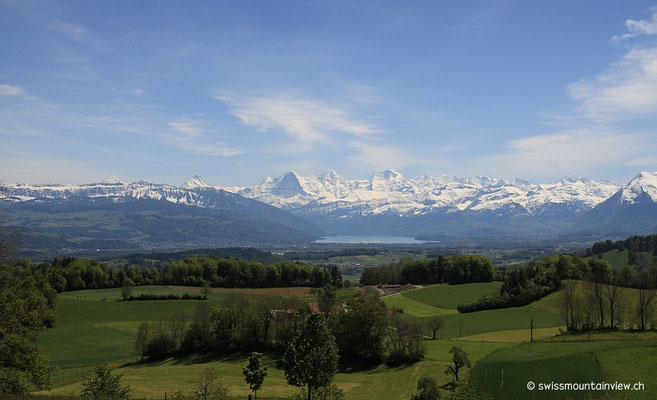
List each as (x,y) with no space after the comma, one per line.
(236,91)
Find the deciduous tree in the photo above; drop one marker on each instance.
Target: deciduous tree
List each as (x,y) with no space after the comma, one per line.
(460,360)
(254,373)
(311,359)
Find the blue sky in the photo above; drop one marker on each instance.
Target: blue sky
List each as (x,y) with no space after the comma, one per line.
(236,91)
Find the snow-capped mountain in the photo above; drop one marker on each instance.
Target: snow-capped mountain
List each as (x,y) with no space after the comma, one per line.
(433,207)
(390,192)
(632,210)
(430,206)
(142,214)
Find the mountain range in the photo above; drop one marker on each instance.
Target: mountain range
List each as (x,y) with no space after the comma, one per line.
(114,215)
(293,208)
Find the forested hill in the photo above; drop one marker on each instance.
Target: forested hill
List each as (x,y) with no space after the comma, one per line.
(638,251)
(71,226)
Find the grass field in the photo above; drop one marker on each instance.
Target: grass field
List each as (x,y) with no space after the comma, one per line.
(504,374)
(414,308)
(616,258)
(450,296)
(514,335)
(152,380)
(94,327)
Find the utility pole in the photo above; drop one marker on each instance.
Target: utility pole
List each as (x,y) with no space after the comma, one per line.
(460,327)
(531,330)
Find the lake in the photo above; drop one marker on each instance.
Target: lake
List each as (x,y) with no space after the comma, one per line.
(371,239)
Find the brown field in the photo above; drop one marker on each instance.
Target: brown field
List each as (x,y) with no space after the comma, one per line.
(284,292)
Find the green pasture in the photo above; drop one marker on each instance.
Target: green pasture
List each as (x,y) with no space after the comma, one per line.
(497,320)
(413,307)
(152,380)
(515,335)
(93,326)
(450,296)
(504,374)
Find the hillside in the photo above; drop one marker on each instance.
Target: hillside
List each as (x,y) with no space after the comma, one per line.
(638,251)
(70,225)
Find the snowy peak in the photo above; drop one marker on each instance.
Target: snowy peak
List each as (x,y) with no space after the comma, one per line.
(390,191)
(196,182)
(643,183)
(288,185)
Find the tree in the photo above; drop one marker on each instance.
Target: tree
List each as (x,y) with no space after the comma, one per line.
(199,335)
(311,359)
(459,359)
(600,272)
(647,293)
(405,342)
(25,312)
(205,290)
(568,302)
(613,293)
(336,276)
(254,373)
(144,334)
(206,387)
(326,298)
(435,323)
(176,324)
(361,328)
(427,389)
(126,289)
(104,385)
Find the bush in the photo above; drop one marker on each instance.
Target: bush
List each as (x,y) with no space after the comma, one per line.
(427,389)
(330,392)
(104,385)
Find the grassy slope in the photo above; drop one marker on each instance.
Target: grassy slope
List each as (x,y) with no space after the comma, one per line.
(505,373)
(153,380)
(450,296)
(413,307)
(91,330)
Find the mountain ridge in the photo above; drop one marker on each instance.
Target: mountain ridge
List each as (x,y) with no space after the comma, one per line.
(438,207)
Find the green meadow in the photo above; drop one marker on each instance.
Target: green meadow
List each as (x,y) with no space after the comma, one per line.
(450,296)
(94,326)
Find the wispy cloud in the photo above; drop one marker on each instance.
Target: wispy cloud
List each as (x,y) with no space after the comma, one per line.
(216,149)
(644,162)
(638,27)
(379,157)
(627,89)
(71,30)
(186,134)
(8,90)
(186,126)
(306,121)
(562,153)
(131,92)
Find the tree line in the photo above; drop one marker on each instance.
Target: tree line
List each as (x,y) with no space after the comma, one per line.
(598,301)
(67,273)
(365,331)
(605,302)
(453,269)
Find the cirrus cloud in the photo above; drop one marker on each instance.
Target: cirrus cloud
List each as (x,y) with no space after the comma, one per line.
(307,121)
